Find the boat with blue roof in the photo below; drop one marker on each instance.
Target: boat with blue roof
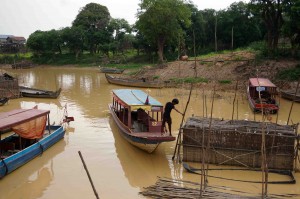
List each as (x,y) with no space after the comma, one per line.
(139,118)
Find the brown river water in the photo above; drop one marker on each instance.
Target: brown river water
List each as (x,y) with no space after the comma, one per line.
(118,169)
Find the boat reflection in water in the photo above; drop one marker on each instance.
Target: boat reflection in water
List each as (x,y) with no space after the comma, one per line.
(137,165)
(32,179)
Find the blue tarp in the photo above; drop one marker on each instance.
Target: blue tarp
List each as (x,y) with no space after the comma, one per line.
(135,97)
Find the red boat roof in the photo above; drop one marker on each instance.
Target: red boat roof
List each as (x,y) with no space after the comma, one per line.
(19,116)
(256,82)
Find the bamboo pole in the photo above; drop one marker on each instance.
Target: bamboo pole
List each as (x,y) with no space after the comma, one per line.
(178,142)
(236,85)
(293,101)
(264,166)
(87,171)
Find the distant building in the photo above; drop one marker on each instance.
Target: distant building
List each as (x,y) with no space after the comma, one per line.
(16,40)
(12,44)
(3,38)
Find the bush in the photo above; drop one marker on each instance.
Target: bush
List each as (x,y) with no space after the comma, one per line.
(292,74)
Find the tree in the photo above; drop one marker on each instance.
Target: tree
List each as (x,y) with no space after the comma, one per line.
(271,13)
(93,19)
(119,28)
(73,39)
(161,22)
(238,27)
(291,28)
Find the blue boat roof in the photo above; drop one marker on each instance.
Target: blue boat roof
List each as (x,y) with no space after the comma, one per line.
(135,97)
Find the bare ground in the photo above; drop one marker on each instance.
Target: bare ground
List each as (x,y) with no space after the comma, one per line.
(232,67)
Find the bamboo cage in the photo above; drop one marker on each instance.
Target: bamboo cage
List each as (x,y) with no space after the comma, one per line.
(238,142)
(9,87)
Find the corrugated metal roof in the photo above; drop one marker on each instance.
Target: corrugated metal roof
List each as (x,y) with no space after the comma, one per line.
(135,97)
(5,36)
(19,116)
(261,82)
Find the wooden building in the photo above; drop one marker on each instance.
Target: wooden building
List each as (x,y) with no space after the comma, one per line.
(238,143)
(9,86)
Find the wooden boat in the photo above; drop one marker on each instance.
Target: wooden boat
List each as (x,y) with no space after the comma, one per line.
(31,137)
(38,93)
(267,91)
(111,70)
(3,100)
(290,95)
(22,65)
(139,118)
(134,82)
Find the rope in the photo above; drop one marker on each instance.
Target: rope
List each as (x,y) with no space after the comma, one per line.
(6,167)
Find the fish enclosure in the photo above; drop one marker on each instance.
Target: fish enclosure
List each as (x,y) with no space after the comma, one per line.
(239,142)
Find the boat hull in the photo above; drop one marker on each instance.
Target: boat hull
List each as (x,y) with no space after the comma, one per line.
(37,93)
(112,70)
(133,83)
(258,107)
(290,95)
(146,142)
(13,162)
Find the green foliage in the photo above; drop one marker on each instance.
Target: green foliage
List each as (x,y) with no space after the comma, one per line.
(225,81)
(161,22)
(189,80)
(155,77)
(289,74)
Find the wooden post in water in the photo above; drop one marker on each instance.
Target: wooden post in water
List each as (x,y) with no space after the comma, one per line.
(87,171)
(234,99)
(293,102)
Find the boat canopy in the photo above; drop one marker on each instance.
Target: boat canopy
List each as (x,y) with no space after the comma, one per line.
(261,82)
(136,99)
(28,123)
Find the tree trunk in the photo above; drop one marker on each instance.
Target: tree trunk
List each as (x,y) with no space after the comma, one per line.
(160,45)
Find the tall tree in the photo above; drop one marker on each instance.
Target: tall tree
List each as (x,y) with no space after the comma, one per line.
(271,13)
(291,27)
(161,22)
(93,18)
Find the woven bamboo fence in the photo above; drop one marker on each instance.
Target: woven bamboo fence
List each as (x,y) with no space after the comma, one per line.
(238,143)
(9,87)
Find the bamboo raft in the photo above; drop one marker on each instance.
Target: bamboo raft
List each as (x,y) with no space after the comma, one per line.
(238,142)
(171,188)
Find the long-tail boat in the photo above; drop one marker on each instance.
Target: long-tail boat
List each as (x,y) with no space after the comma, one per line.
(26,135)
(291,95)
(261,94)
(144,83)
(38,93)
(111,70)
(139,118)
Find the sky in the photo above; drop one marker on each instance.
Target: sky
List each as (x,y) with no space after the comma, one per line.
(23,17)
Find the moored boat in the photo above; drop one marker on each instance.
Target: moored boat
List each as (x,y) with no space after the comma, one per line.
(134,82)
(261,93)
(29,137)
(111,70)
(3,100)
(139,118)
(290,95)
(38,93)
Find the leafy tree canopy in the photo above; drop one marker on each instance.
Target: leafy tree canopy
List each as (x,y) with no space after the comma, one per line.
(161,21)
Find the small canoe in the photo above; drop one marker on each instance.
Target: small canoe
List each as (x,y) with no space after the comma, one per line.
(134,82)
(3,100)
(264,88)
(111,70)
(38,93)
(139,119)
(290,95)
(24,144)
